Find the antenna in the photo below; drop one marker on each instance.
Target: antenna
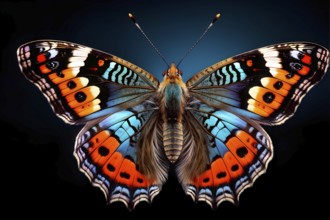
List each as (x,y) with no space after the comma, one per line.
(150,42)
(217,16)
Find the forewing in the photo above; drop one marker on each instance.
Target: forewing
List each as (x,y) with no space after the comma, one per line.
(266,85)
(82,83)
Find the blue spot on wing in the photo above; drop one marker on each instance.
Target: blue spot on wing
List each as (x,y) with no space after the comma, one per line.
(230,126)
(223,134)
(115,118)
(122,134)
(130,131)
(210,122)
(106,73)
(231,118)
(221,147)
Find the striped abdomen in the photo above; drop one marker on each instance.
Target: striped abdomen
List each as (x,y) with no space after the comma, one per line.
(172,109)
(172,140)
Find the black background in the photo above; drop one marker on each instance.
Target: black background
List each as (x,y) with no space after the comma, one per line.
(38,168)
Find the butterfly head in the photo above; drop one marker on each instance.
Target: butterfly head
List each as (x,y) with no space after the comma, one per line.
(172,77)
(172,74)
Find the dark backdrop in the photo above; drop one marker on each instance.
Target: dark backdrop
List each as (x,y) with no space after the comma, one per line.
(38,168)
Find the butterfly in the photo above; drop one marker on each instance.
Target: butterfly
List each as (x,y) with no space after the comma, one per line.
(208,129)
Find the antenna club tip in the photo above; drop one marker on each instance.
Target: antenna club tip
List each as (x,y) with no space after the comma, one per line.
(217,16)
(130,15)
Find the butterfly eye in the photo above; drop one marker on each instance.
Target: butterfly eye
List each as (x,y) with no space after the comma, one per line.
(164,73)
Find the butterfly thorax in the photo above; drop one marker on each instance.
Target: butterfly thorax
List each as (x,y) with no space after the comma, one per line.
(172,95)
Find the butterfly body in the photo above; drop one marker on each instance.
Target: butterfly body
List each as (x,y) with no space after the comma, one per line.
(207,129)
(172,94)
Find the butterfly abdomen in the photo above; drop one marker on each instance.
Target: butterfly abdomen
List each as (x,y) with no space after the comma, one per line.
(172,140)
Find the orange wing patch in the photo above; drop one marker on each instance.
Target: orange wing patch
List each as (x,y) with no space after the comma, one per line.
(97,140)
(64,75)
(83,96)
(220,173)
(44,69)
(234,168)
(284,75)
(248,141)
(111,168)
(205,179)
(73,85)
(266,96)
(242,153)
(88,108)
(41,58)
(304,70)
(102,152)
(306,59)
(259,108)
(249,63)
(276,85)
(100,63)
(126,173)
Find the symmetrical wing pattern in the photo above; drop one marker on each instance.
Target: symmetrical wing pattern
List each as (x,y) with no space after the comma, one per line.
(207,129)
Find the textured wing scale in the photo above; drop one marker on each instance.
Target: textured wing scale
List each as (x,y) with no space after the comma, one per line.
(114,98)
(266,85)
(81,83)
(107,150)
(239,150)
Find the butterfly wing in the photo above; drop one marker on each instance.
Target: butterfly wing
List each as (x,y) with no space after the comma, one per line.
(82,83)
(108,151)
(114,98)
(266,85)
(229,100)
(238,151)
